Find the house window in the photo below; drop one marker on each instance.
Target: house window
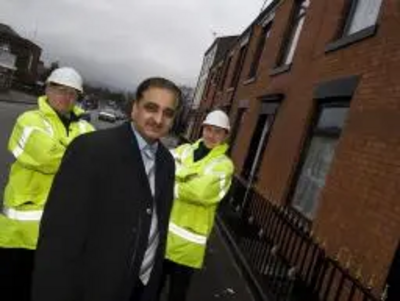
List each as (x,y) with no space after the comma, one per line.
(236,125)
(319,157)
(266,31)
(30,62)
(218,76)
(5,48)
(198,129)
(209,84)
(293,35)
(363,14)
(239,66)
(225,74)
(259,141)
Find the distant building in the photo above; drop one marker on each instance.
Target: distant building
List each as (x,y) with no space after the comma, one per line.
(181,118)
(27,55)
(213,54)
(7,66)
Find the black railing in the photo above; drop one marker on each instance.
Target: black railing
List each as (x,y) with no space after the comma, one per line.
(280,253)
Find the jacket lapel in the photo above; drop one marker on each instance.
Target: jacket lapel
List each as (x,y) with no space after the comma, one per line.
(161,180)
(161,173)
(134,156)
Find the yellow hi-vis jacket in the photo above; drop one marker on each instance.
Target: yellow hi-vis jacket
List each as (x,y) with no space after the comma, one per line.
(199,187)
(38,142)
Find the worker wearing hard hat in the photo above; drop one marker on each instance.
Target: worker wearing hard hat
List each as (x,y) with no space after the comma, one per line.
(38,142)
(203,177)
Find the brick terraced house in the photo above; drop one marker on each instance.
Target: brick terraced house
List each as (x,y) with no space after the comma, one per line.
(313,91)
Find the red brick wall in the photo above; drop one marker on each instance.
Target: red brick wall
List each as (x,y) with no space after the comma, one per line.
(358,212)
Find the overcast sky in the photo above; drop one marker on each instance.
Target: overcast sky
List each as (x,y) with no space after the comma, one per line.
(120,42)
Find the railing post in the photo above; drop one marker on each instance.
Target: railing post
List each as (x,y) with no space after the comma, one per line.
(282,256)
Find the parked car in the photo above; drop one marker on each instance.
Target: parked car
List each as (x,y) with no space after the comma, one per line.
(121,116)
(107,116)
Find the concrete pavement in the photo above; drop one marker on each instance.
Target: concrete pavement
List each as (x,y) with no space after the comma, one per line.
(221,278)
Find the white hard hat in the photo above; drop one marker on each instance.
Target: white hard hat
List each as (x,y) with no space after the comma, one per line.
(218,118)
(66,76)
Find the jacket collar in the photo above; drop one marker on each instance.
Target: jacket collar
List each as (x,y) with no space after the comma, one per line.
(135,155)
(142,143)
(216,151)
(132,159)
(49,111)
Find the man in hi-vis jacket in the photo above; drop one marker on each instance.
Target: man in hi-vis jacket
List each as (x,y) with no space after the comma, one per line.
(203,177)
(38,142)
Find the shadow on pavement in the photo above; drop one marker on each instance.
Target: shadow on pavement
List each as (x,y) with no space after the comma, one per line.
(220,278)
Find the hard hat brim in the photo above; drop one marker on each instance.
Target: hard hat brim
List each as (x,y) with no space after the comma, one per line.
(216,125)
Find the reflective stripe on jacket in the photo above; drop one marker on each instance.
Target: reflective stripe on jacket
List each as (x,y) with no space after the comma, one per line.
(37,142)
(199,187)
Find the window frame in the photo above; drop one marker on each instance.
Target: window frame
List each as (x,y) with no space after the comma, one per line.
(269,114)
(353,5)
(219,71)
(239,118)
(260,49)
(240,61)
(343,38)
(209,84)
(312,132)
(224,76)
(297,17)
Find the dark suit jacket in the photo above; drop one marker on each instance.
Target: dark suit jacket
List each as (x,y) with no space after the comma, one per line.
(96,222)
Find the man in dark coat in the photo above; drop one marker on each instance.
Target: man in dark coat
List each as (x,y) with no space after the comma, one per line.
(104,227)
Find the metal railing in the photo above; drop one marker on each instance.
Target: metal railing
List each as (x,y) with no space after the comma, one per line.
(282,255)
